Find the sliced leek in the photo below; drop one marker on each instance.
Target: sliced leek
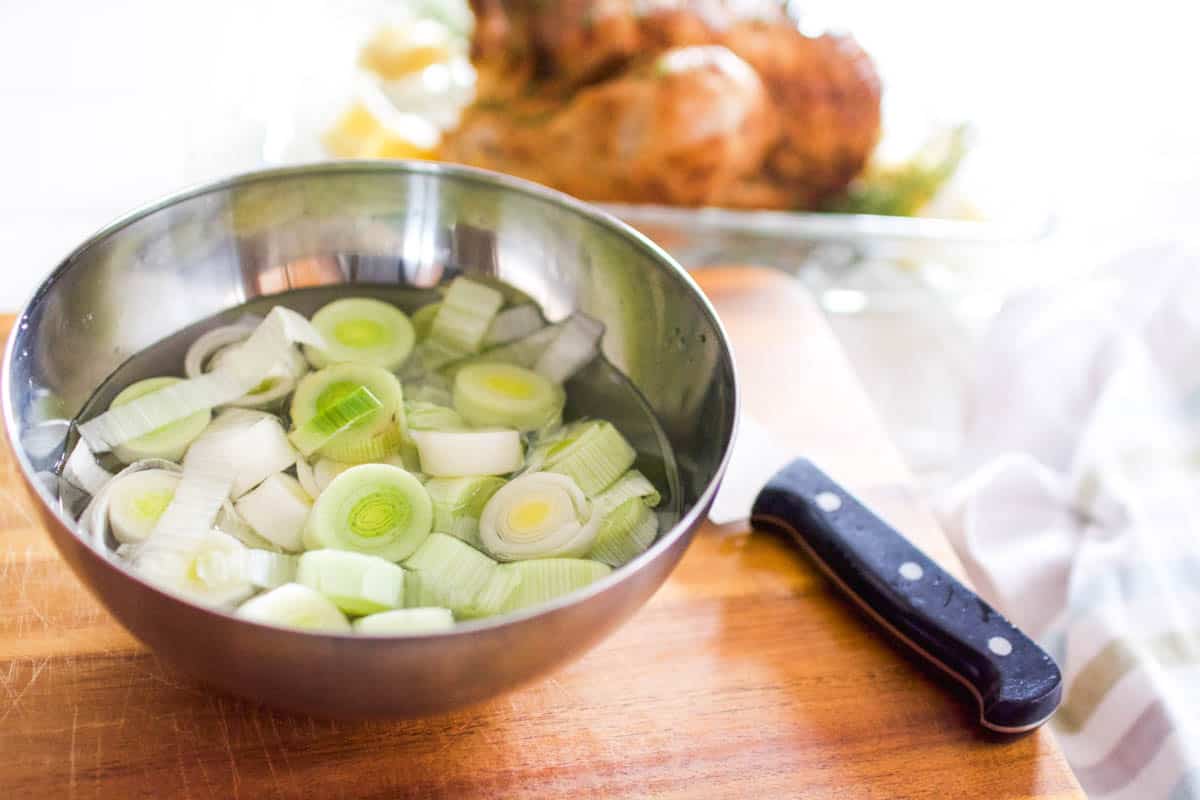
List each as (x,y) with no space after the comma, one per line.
(251,451)
(364,331)
(377,509)
(209,343)
(544,579)
(270,343)
(217,345)
(325,470)
(169,441)
(266,569)
(277,509)
(422,320)
(434,391)
(465,315)
(430,417)
(295,606)
(386,472)
(335,418)
(357,584)
(507,396)
(577,343)
(83,471)
(231,522)
(456,454)
(405,622)
(625,532)
(212,570)
(136,500)
(375,435)
(458,504)
(278,383)
(593,453)
(631,484)
(513,324)
(307,477)
(94,520)
(449,573)
(538,515)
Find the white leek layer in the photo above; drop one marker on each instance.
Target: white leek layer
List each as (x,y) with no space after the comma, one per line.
(632,484)
(539,515)
(277,509)
(238,374)
(252,450)
(512,324)
(456,454)
(577,343)
(465,315)
(83,471)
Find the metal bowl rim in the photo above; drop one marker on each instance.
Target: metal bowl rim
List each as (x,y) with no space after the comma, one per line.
(687,521)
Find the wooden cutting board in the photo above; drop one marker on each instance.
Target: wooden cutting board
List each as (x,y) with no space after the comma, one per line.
(746,676)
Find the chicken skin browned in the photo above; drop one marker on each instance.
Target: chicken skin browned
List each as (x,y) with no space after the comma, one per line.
(707,102)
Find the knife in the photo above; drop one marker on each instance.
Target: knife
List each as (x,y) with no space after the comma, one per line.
(1016,683)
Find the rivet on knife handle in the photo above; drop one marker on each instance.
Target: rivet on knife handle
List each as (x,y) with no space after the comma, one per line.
(1017,684)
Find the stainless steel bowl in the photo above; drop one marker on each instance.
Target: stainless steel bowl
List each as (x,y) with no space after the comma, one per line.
(190,256)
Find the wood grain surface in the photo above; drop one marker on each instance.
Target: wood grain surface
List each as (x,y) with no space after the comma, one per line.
(746,676)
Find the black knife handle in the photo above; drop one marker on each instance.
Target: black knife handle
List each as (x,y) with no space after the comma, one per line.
(1017,684)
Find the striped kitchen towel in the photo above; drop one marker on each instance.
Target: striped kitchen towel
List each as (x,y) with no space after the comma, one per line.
(1077,511)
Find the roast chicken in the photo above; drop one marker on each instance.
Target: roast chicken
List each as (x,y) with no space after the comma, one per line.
(700,102)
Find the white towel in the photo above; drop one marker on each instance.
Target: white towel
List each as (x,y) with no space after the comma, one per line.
(1077,510)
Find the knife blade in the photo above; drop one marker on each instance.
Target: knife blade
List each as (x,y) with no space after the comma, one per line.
(1016,684)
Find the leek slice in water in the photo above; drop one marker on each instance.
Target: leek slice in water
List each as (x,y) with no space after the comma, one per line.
(136,500)
(508,396)
(94,519)
(231,522)
(593,453)
(458,504)
(405,622)
(456,454)
(466,313)
(325,470)
(83,471)
(375,435)
(547,578)
(278,383)
(277,509)
(213,570)
(295,606)
(209,343)
(269,344)
(430,417)
(307,478)
(333,419)
(435,392)
(237,418)
(250,451)
(538,515)
(377,509)
(266,569)
(217,345)
(631,484)
(625,532)
(522,352)
(171,440)
(449,573)
(357,584)
(577,343)
(512,324)
(362,330)
(422,320)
